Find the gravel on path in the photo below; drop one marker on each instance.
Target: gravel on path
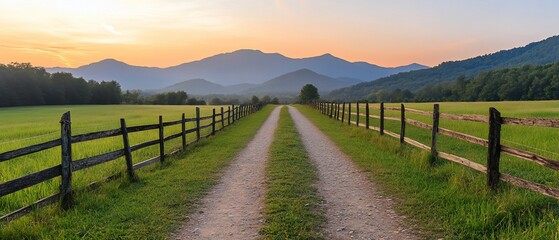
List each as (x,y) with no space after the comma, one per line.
(233,208)
(355,209)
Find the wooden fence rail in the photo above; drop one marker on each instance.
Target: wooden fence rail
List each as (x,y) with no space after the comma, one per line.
(68,165)
(493,143)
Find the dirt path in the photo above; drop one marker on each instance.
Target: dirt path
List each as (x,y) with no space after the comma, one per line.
(233,209)
(354,208)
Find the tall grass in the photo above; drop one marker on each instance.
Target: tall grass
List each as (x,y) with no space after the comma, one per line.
(24,126)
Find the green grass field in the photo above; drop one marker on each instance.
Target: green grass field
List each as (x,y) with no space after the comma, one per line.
(447,198)
(24,126)
(150,208)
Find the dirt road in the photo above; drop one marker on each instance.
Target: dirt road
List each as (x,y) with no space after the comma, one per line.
(355,209)
(233,209)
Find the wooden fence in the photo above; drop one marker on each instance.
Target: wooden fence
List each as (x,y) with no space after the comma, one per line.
(68,165)
(493,143)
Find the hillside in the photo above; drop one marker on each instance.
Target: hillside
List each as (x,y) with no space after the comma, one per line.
(538,53)
(293,82)
(239,67)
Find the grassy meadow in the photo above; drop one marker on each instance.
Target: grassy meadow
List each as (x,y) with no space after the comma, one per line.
(447,198)
(154,206)
(24,126)
(540,140)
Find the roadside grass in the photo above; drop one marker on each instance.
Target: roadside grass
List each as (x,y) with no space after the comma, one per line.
(446,199)
(293,208)
(25,126)
(149,208)
(292,205)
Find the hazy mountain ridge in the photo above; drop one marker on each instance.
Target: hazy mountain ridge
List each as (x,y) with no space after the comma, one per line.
(537,53)
(239,67)
(293,82)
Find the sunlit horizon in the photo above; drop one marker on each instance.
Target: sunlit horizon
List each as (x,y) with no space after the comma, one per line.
(166,33)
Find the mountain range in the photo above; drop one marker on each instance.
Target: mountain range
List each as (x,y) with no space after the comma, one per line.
(537,53)
(239,67)
(288,83)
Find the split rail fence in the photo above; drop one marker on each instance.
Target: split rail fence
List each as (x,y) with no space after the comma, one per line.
(493,143)
(68,165)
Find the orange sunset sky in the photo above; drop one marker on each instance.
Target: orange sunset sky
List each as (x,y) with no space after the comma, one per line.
(72,33)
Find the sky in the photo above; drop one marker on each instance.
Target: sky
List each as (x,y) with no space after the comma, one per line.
(163,33)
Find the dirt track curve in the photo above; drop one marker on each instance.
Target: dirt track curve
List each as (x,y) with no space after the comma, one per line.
(354,207)
(233,209)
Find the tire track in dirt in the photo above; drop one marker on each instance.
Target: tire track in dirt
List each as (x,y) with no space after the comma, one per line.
(233,208)
(354,207)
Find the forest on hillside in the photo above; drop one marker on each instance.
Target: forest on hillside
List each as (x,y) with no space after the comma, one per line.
(512,84)
(22,84)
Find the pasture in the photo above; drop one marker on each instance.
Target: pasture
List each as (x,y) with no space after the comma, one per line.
(25,126)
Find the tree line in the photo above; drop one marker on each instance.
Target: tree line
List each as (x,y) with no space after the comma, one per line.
(22,84)
(512,84)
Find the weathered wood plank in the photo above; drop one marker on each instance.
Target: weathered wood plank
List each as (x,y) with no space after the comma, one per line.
(28,150)
(96,135)
(142,128)
(26,210)
(536,187)
(146,162)
(537,122)
(419,124)
(392,108)
(465,117)
(173,136)
(171,123)
(95,160)
(206,117)
(464,137)
(541,160)
(421,112)
(463,161)
(144,145)
(205,126)
(29,180)
(417,144)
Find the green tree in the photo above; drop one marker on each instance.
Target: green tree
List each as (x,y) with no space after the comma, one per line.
(254,100)
(308,94)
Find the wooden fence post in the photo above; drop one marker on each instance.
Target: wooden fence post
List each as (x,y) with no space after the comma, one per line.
(343,112)
(367,115)
(222,119)
(161,140)
(228,115)
(381,118)
(183,128)
(127,152)
(330,109)
(338,109)
(358,117)
(197,124)
(233,113)
(213,121)
(403,123)
(494,148)
(66,166)
(349,113)
(435,130)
